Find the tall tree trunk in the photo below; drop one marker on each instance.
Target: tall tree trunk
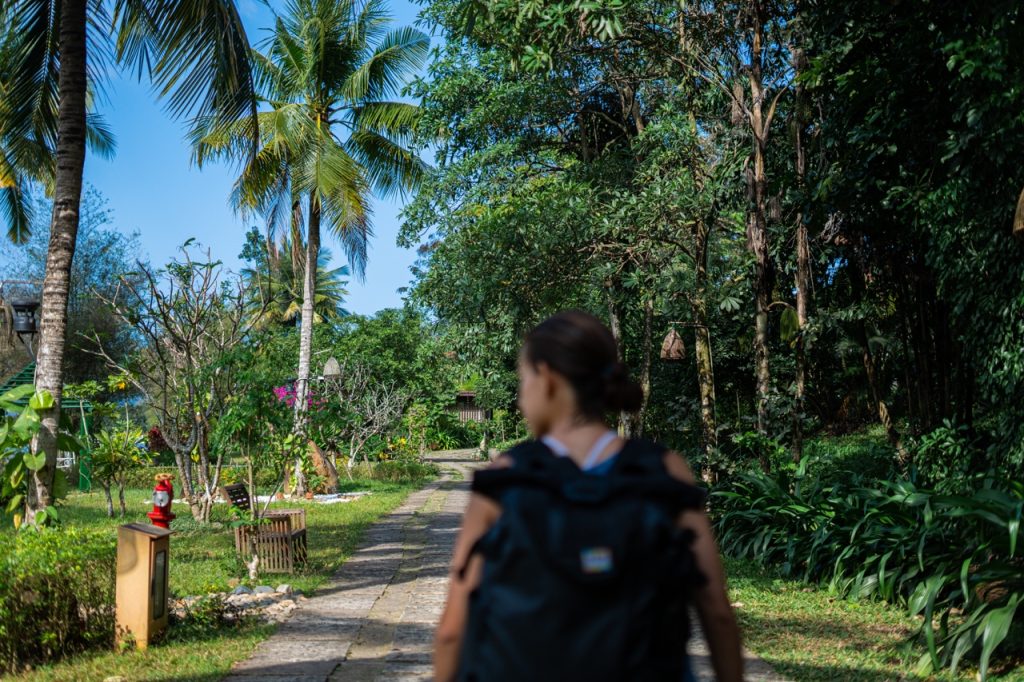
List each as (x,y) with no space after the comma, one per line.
(645,368)
(615,324)
(702,351)
(67,199)
(306,334)
(803,264)
(757,226)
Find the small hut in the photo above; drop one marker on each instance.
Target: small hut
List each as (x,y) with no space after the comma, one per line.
(468,409)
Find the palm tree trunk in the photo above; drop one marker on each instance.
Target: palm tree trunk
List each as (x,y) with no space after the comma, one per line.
(306,334)
(108,498)
(67,198)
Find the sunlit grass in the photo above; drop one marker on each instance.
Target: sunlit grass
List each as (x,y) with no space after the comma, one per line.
(805,633)
(203,560)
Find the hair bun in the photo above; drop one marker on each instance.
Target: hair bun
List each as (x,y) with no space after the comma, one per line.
(621,392)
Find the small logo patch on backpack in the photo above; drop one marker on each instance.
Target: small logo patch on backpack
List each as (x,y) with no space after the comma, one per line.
(596,560)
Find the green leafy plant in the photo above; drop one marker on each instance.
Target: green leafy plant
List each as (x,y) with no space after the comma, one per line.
(944,456)
(952,559)
(753,447)
(116,454)
(20,422)
(56,594)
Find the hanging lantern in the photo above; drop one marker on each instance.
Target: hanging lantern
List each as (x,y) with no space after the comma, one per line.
(1018,218)
(672,348)
(25,321)
(332,369)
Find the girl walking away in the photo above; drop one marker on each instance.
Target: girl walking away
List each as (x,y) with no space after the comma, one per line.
(581,553)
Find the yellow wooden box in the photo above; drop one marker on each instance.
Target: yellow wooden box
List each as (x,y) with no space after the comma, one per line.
(142,561)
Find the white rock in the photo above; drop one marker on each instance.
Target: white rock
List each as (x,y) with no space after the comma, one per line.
(284,588)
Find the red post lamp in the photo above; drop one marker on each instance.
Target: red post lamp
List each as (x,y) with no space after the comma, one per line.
(163,496)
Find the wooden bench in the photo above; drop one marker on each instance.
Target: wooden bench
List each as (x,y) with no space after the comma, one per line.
(280,536)
(238,495)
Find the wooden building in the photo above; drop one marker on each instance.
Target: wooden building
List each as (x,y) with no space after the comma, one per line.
(467,408)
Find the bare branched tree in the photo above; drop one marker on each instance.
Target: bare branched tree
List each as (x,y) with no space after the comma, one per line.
(370,408)
(188,318)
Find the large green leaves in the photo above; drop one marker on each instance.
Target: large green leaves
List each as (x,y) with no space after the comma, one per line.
(18,425)
(949,559)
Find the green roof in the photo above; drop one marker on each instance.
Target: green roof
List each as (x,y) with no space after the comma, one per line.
(27,376)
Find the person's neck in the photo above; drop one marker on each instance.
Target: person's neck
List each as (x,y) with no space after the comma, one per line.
(578,437)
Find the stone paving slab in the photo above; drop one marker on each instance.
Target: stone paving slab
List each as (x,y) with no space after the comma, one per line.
(375,619)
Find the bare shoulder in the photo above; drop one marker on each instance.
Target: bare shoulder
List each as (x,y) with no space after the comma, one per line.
(677,467)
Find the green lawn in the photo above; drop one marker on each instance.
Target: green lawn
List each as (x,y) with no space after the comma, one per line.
(806,633)
(203,561)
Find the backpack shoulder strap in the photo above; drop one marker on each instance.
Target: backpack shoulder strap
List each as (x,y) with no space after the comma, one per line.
(641,468)
(533,463)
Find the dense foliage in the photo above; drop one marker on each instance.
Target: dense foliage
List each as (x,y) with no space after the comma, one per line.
(818,198)
(953,559)
(582,164)
(56,594)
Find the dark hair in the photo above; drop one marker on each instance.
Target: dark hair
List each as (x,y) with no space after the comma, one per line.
(578,346)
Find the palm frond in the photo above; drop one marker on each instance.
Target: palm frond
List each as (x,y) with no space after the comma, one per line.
(99,136)
(396,58)
(16,210)
(389,167)
(197,53)
(396,120)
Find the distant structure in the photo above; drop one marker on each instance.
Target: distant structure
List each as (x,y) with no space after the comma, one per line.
(467,408)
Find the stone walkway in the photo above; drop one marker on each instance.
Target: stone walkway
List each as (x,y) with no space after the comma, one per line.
(375,619)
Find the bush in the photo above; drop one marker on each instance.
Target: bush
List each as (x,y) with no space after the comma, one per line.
(396,471)
(56,594)
(945,457)
(951,559)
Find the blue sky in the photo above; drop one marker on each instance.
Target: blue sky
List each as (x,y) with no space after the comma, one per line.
(152,186)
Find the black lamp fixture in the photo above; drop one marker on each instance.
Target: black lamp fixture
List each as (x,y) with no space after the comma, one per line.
(26,322)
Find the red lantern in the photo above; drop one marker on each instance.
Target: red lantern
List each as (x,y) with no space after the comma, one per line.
(163,496)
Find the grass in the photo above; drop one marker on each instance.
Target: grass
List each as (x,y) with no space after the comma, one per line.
(204,653)
(203,561)
(807,634)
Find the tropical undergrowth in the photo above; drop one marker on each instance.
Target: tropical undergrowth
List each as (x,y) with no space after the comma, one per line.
(953,560)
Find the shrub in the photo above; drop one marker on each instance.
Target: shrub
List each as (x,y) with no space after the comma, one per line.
(866,455)
(952,559)
(396,471)
(56,594)
(944,457)
(116,454)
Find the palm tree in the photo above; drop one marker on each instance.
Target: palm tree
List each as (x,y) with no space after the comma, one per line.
(28,128)
(276,286)
(330,75)
(197,54)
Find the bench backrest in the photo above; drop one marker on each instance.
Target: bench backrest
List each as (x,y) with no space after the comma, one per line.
(238,495)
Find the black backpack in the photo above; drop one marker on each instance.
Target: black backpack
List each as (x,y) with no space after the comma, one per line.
(586,577)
